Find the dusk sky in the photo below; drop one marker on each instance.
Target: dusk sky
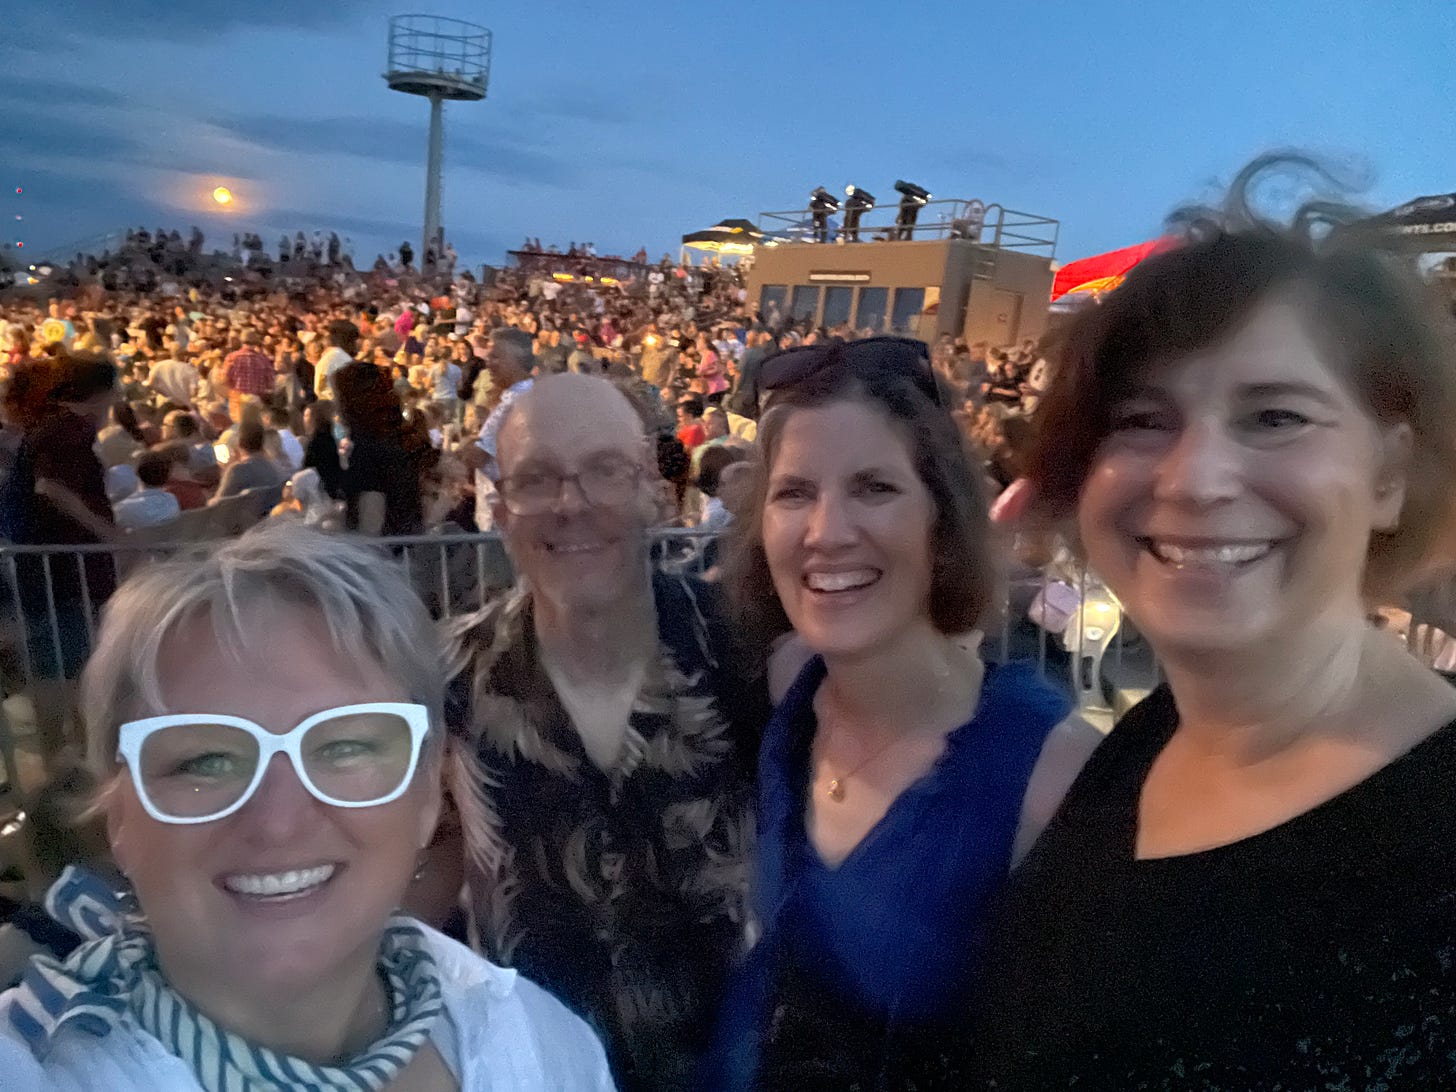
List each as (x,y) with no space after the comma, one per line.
(630,124)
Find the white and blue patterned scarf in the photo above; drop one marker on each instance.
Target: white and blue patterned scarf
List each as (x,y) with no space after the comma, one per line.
(115,973)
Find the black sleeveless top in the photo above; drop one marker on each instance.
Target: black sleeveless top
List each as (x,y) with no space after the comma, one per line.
(1320,954)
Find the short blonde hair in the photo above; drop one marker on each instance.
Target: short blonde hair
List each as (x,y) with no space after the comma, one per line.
(362,596)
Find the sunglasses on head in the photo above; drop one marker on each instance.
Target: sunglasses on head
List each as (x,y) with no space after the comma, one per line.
(905,355)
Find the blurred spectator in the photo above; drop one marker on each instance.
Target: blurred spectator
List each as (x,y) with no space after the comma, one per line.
(189,492)
(151,504)
(253,469)
(247,373)
(176,378)
(381,479)
(716,459)
(343,340)
(690,428)
(279,420)
(56,495)
(181,427)
(321,450)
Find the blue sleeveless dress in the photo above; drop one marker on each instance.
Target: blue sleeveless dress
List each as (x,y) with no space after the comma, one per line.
(859,964)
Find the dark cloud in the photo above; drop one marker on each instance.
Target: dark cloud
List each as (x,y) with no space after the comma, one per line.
(233,164)
(489,149)
(59,136)
(57,189)
(45,92)
(108,149)
(174,20)
(64,213)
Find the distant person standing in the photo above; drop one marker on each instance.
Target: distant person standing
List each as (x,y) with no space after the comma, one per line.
(247,373)
(744,399)
(175,379)
(321,450)
(508,362)
(445,379)
(821,204)
(56,495)
(382,475)
(343,344)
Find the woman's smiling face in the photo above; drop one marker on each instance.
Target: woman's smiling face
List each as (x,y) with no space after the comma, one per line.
(847,529)
(1233,499)
(193,882)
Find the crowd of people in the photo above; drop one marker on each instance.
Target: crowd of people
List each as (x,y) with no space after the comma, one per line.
(164,262)
(781,819)
(243,382)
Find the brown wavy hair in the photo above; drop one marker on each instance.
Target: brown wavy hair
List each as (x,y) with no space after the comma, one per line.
(1380,328)
(965,561)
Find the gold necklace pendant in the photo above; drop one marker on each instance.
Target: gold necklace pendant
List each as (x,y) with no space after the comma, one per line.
(836,789)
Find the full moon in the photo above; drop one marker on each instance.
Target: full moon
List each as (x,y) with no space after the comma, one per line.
(222,195)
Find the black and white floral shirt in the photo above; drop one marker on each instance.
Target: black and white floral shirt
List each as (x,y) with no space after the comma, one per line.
(624,893)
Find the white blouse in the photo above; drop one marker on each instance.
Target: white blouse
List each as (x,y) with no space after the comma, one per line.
(502,1033)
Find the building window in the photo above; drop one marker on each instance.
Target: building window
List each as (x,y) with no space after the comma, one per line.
(909,302)
(804,303)
(772,298)
(836,306)
(872,305)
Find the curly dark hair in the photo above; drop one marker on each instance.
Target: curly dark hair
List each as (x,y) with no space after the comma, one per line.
(673,461)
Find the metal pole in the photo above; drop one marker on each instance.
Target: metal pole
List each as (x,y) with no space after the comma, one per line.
(432,175)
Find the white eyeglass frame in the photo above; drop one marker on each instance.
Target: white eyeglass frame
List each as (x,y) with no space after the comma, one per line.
(133,734)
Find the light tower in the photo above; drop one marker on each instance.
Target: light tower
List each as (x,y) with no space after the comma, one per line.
(439,59)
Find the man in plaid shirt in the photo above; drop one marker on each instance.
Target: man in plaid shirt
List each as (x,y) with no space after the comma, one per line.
(247,371)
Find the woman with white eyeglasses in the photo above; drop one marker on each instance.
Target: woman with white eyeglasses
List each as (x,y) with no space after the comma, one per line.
(265,724)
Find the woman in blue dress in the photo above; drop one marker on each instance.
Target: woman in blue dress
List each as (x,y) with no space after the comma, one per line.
(900,777)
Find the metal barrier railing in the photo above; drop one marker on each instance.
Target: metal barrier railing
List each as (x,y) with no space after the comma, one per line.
(49,603)
(1060,617)
(50,597)
(46,589)
(943,218)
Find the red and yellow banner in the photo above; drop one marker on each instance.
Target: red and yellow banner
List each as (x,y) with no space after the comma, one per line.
(1103,272)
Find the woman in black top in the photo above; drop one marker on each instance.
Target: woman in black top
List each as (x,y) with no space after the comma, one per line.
(321,449)
(1252,883)
(385,463)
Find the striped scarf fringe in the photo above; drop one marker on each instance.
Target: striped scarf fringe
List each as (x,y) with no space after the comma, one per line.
(115,974)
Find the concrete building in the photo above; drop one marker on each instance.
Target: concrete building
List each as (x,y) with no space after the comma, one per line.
(994,286)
